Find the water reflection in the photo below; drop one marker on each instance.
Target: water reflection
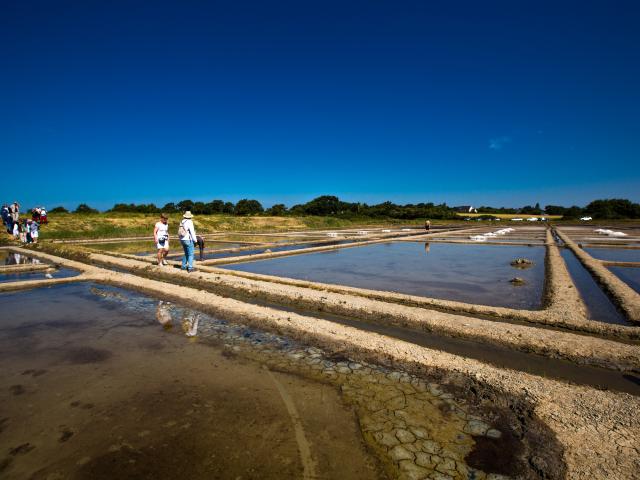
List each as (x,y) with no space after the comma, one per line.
(189,322)
(427,247)
(19,259)
(163,315)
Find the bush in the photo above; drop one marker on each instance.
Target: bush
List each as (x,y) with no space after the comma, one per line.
(59,210)
(84,208)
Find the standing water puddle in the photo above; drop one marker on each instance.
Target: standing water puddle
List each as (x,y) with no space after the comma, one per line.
(467,273)
(598,304)
(41,275)
(282,248)
(93,387)
(629,275)
(16,259)
(614,254)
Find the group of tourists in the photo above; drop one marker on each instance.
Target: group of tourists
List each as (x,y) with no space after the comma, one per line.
(25,229)
(186,235)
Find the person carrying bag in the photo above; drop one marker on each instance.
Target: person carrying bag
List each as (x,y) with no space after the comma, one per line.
(187,236)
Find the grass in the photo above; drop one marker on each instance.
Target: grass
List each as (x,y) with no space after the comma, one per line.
(113,225)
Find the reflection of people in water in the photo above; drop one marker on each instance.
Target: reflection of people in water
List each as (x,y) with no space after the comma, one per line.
(163,315)
(17,259)
(190,323)
(427,247)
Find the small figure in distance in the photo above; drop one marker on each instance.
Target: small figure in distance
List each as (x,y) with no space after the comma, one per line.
(427,225)
(161,238)
(200,242)
(34,231)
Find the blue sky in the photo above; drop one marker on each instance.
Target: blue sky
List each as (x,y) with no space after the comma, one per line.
(499,103)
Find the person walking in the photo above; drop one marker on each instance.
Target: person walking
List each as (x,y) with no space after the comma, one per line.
(427,226)
(187,235)
(15,211)
(34,232)
(161,238)
(27,230)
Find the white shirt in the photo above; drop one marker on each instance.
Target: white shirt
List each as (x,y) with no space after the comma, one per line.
(162,230)
(187,223)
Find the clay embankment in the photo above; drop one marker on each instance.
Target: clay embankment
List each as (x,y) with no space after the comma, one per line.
(622,294)
(618,263)
(26,268)
(598,430)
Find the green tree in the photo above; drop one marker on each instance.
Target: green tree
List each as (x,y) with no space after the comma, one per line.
(613,208)
(228,208)
(84,208)
(216,206)
(324,205)
(185,205)
(248,207)
(277,210)
(170,208)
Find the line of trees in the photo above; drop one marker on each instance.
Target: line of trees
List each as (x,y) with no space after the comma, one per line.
(615,208)
(328,205)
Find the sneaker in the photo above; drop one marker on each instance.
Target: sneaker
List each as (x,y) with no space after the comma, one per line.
(190,270)
(164,262)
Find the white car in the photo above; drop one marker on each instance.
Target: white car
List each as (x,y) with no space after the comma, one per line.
(516,219)
(586,219)
(532,219)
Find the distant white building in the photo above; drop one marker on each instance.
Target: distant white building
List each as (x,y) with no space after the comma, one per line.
(466,209)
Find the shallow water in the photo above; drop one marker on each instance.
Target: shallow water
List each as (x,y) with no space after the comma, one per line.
(614,254)
(629,275)
(23,276)
(101,383)
(282,248)
(93,387)
(12,258)
(599,306)
(467,273)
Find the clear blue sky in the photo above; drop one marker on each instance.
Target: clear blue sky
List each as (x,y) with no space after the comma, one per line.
(501,103)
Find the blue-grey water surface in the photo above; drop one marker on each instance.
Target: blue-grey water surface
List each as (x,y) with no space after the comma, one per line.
(467,273)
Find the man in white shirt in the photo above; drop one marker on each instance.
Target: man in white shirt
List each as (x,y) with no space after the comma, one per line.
(187,234)
(161,238)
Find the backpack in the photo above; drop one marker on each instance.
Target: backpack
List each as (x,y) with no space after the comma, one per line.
(183,232)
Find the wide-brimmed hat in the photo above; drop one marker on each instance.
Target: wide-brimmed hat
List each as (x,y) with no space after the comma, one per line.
(187,214)
(164,215)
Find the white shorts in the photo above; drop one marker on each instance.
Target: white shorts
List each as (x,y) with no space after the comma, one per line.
(163,247)
(34,235)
